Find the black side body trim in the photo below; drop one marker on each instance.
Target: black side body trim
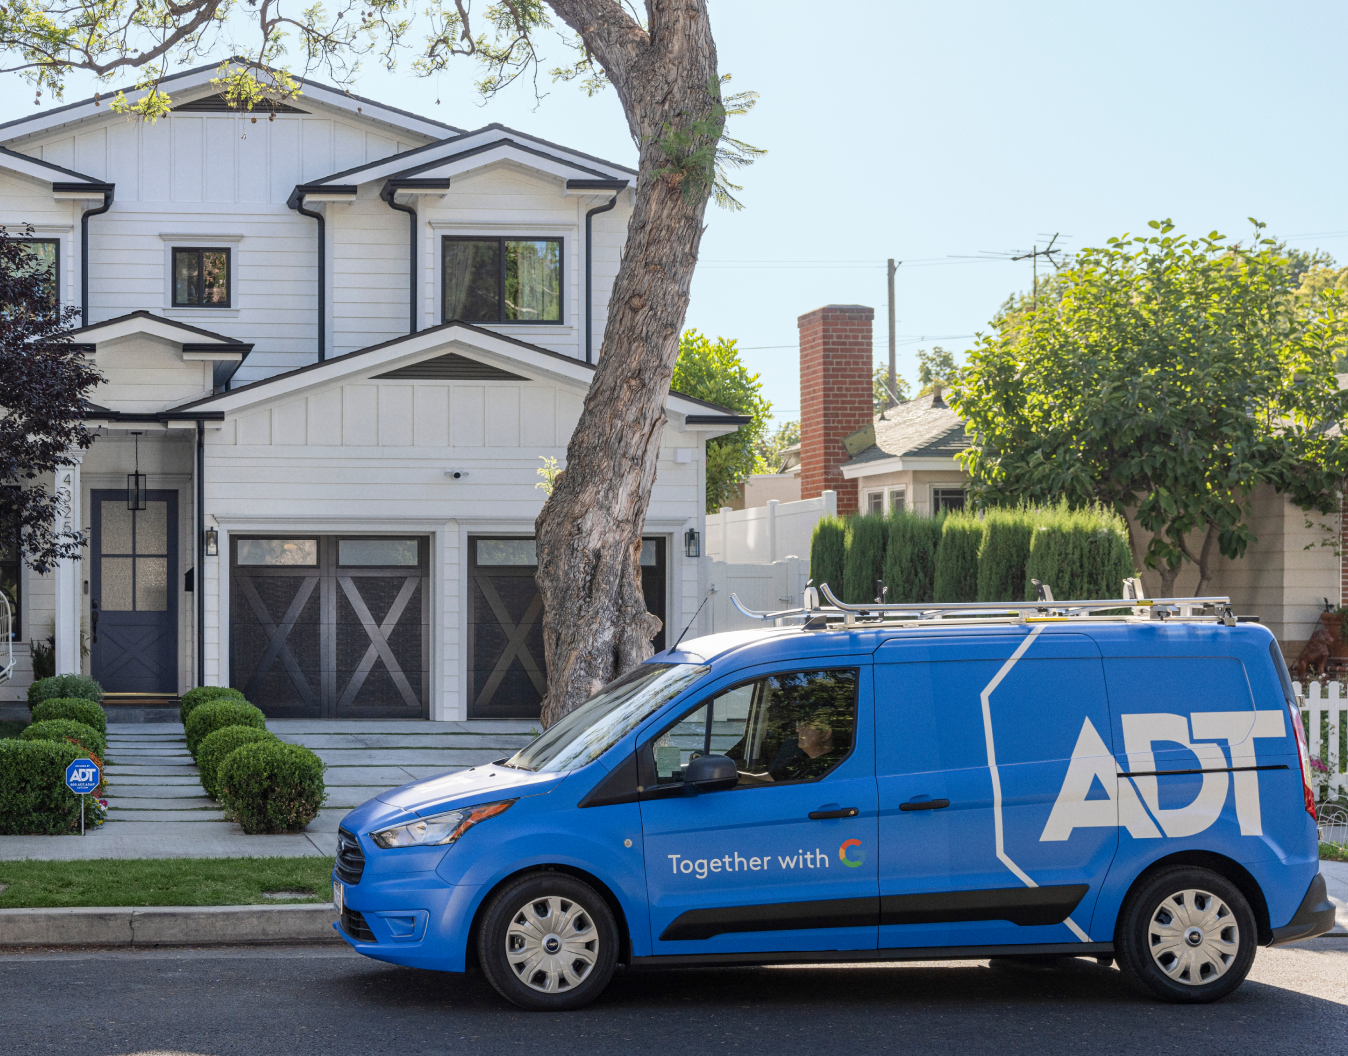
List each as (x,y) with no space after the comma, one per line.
(1313,917)
(910,953)
(778,916)
(1026,906)
(1208,770)
(619,787)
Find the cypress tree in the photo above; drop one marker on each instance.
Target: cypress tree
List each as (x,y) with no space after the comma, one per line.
(1004,553)
(957,558)
(910,557)
(828,553)
(865,557)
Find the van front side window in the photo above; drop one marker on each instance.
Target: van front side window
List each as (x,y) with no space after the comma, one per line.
(795,726)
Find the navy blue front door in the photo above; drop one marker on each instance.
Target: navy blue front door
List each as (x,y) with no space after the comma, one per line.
(133,593)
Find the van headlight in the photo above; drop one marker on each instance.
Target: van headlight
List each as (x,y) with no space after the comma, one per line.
(439,829)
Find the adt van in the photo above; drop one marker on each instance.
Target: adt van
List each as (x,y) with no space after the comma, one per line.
(872,786)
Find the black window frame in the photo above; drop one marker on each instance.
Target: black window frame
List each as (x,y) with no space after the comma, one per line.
(938,498)
(201,276)
(501,241)
(55,243)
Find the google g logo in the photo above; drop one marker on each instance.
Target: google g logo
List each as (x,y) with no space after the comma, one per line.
(856,859)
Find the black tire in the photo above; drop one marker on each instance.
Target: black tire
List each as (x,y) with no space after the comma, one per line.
(1161,948)
(539,975)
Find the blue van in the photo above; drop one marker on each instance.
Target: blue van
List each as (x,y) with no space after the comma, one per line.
(872,786)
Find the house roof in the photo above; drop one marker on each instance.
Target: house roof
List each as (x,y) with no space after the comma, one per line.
(201,76)
(920,428)
(401,349)
(43,170)
(141,321)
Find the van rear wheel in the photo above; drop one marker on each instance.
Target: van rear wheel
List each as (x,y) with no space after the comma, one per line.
(1186,935)
(548,942)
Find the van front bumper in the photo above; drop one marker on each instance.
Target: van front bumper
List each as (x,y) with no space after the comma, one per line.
(417,925)
(1313,917)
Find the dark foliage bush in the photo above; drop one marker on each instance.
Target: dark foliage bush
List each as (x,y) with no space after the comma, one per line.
(271,786)
(85,711)
(1004,553)
(78,687)
(216,748)
(202,694)
(864,539)
(910,557)
(211,716)
(62,730)
(957,558)
(34,799)
(828,553)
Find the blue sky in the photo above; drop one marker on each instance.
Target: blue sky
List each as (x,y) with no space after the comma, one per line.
(930,132)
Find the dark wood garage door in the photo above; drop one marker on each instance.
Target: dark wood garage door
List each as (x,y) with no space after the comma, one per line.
(327,626)
(506,673)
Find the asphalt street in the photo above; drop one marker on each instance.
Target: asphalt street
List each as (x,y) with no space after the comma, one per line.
(327,1000)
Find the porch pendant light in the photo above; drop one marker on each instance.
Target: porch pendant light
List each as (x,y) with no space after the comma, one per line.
(135,483)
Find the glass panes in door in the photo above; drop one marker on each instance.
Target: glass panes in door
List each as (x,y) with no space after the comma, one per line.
(134,548)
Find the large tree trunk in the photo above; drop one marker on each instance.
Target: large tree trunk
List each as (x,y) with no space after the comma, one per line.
(595,623)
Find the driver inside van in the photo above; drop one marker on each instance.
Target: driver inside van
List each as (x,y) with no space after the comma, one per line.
(811,755)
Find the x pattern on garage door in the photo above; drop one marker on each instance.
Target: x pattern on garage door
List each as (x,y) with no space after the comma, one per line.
(331,627)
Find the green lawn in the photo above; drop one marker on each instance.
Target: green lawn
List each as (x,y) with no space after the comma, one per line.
(11,727)
(163,882)
(1334,852)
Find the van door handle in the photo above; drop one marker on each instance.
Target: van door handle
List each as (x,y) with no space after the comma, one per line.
(926,804)
(842,812)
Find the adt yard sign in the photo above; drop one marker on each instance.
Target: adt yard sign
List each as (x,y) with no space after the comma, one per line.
(82,777)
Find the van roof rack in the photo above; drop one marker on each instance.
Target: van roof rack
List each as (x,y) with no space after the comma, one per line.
(815,616)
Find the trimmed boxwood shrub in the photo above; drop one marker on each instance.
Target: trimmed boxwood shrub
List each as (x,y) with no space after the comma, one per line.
(271,786)
(34,799)
(828,554)
(202,694)
(61,730)
(864,557)
(85,711)
(216,715)
(217,746)
(957,558)
(910,557)
(78,687)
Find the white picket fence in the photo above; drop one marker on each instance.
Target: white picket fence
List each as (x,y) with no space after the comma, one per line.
(1324,716)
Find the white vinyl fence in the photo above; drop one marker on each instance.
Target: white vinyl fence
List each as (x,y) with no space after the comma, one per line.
(762,587)
(1326,718)
(764,534)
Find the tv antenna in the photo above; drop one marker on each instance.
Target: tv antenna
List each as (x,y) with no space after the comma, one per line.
(1034,255)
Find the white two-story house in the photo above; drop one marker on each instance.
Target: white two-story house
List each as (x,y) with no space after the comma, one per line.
(336,341)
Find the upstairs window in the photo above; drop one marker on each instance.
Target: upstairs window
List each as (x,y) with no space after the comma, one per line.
(40,258)
(502,280)
(201,277)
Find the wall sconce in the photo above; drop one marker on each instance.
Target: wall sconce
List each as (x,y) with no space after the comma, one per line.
(692,543)
(135,483)
(212,543)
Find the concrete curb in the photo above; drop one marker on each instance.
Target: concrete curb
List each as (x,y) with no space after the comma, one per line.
(168,925)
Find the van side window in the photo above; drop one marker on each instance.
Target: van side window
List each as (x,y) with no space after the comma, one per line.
(794,726)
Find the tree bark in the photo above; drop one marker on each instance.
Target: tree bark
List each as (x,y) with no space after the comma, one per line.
(595,623)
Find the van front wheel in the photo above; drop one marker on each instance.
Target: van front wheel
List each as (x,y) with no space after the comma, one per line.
(548,942)
(1186,935)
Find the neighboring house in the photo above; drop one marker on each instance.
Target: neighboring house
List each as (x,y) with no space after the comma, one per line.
(336,344)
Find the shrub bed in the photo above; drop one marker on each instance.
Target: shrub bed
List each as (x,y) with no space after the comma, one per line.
(828,553)
(34,799)
(203,694)
(78,687)
(209,717)
(63,730)
(216,748)
(864,557)
(271,786)
(85,711)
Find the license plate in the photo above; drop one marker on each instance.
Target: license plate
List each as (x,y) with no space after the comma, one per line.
(337,895)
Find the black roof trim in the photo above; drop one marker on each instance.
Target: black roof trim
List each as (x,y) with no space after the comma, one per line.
(99,188)
(437,183)
(102,414)
(493,145)
(47,164)
(202,346)
(717,419)
(236,58)
(558,146)
(141,313)
(597,185)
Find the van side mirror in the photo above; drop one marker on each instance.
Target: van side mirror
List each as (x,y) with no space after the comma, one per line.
(710,773)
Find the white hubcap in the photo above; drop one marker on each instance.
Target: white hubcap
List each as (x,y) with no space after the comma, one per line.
(552,944)
(1193,937)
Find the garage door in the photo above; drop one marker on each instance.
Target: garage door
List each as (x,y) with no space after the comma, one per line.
(326,626)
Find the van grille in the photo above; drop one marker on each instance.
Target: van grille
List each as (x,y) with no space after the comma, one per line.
(354,925)
(350,858)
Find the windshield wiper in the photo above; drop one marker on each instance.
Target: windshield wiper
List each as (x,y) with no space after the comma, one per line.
(513,766)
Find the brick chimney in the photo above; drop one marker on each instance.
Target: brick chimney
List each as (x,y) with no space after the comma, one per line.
(835,395)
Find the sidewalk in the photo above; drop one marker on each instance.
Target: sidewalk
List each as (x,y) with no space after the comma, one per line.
(157,809)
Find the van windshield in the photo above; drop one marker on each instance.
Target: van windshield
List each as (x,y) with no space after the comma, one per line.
(607,717)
